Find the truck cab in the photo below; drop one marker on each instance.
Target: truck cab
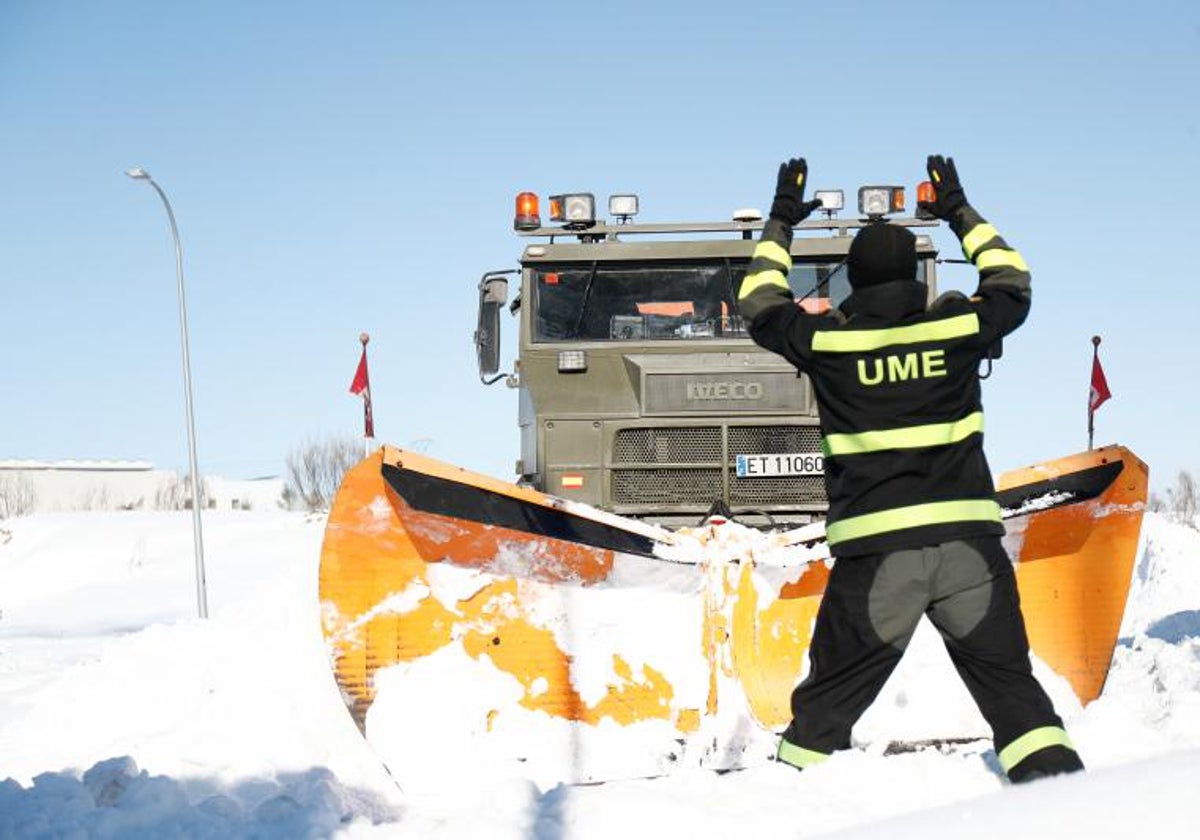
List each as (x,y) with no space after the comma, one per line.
(640,389)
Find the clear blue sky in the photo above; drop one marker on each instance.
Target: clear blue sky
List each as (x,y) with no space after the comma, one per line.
(337,168)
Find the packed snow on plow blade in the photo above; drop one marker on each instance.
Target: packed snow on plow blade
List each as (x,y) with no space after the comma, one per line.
(477,628)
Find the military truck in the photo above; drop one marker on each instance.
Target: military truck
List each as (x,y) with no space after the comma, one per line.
(640,390)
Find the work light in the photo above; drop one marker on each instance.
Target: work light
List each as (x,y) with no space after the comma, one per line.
(874,202)
(831,200)
(622,207)
(576,209)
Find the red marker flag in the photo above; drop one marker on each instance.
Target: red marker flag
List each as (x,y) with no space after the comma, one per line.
(1098,393)
(362,385)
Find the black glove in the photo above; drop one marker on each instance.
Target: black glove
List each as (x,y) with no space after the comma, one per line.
(789,205)
(947,190)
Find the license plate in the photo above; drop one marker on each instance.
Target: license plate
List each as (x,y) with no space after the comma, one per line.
(795,463)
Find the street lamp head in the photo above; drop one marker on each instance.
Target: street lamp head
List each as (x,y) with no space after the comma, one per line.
(138,174)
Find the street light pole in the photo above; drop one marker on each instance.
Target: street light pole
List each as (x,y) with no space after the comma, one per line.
(139,174)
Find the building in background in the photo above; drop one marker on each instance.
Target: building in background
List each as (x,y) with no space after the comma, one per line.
(28,486)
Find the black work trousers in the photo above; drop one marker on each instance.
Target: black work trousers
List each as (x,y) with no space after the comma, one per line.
(871,607)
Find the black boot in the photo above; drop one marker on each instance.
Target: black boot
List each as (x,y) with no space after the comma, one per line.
(1051,761)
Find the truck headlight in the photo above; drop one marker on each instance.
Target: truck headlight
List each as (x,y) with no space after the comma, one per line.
(572,361)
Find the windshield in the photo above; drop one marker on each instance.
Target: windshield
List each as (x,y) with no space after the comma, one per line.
(661,300)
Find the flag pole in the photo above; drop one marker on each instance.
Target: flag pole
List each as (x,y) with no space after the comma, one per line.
(1091,401)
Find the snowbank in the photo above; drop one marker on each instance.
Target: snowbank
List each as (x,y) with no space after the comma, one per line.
(115,799)
(122,715)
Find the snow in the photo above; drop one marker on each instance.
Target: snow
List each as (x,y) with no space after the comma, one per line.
(123,715)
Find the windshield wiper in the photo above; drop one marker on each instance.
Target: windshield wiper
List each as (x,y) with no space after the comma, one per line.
(587,293)
(825,282)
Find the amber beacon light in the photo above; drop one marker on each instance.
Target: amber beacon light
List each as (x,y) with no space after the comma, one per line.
(925,195)
(527,217)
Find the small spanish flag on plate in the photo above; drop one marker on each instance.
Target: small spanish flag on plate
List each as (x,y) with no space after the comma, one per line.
(571,481)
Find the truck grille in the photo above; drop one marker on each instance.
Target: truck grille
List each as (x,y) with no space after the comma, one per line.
(801,489)
(668,446)
(666,488)
(757,440)
(695,471)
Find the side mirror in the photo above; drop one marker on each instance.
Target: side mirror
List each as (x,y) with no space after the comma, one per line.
(493,294)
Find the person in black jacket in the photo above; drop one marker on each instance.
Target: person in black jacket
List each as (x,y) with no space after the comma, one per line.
(913,522)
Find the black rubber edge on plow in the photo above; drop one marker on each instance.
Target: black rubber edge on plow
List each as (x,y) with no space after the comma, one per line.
(1077,487)
(454,499)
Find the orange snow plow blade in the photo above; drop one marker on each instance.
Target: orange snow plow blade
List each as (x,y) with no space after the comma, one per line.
(1075,549)
(476,627)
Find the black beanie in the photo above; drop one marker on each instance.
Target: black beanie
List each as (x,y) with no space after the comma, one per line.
(880,253)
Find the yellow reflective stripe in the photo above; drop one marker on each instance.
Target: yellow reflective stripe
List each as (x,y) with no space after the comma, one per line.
(910,437)
(997,257)
(754,282)
(913,516)
(774,252)
(1031,742)
(857,341)
(976,237)
(789,753)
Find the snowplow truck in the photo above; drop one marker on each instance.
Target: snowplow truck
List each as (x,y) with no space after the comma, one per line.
(666,464)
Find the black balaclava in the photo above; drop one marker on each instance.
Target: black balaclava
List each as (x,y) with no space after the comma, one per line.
(881,253)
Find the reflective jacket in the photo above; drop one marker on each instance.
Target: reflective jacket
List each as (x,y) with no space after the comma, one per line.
(897,389)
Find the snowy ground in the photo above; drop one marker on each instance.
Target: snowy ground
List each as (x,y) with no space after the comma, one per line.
(121,715)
